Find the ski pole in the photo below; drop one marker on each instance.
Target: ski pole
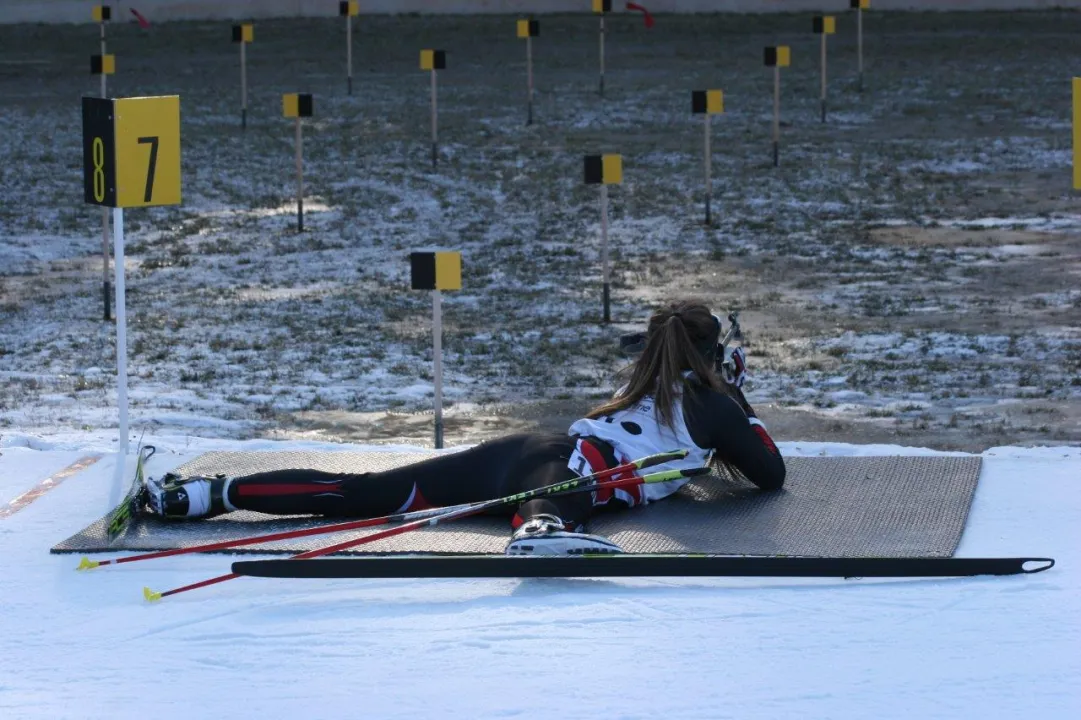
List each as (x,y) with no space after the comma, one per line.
(576,485)
(88,564)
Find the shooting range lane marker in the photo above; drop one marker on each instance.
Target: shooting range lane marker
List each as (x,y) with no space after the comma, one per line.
(823,25)
(604,170)
(102,14)
(243,34)
(777,57)
(349,9)
(131,158)
(436,271)
(297,106)
(706,103)
(434,60)
(529,29)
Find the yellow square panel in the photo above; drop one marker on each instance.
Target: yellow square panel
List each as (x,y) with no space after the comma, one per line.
(784,56)
(612,169)
(448,271)
(147,151)
(829,24)
(714,102)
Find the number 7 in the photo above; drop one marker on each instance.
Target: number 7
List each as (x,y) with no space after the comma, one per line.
(153,142)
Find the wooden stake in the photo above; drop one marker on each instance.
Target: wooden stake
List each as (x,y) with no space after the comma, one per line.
(859,45)
(709,179)
(529,77)
(822,92)
(605,274)
(243,87)
(602,56)
(435,130)
(437,343)
(300,178)
(349,52)
(776,116)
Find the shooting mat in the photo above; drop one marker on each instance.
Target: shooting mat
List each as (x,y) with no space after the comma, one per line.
(906,506)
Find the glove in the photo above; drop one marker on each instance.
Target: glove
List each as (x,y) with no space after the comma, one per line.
(733,366)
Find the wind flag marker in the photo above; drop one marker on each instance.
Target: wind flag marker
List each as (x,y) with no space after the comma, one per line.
(434,60)
(143,22)
(647,18)
(243,34)
(706,103)
(529,29)
(131,158)
(859,6)
(102,14)
(436,271)
(349,9)
(604,170)
(600,7)
(1077,133)
(298,105)
(777,58)
(824,25)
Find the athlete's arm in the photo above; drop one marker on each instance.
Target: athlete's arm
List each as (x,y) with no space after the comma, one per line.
(730,427)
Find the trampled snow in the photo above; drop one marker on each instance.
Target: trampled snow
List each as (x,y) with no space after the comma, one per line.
(86,644)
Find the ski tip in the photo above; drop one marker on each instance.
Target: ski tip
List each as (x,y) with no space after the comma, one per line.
(693,472)
(1035,565)
(87,564)
(150,595)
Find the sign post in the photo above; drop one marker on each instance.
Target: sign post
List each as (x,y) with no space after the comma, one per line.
(436,271)
(859,6)
(298,105)
(824,25)
(131,158)
(706,103)
(604,170)
(102,14)
(777,58)
(243,34)
(434,60)
(529,29)
(600,7)
(349,9)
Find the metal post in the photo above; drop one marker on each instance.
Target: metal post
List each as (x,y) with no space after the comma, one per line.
(300,178)
(349,52)
(529,76)
(709,179)
(106,291)
(437,344)
(776,116)
(243,86)
(822,92)
(435,132)
(602,56)
(604,253)
(859,44)
(121,330)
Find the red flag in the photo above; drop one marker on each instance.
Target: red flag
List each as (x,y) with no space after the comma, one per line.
(646,16)
(143,22)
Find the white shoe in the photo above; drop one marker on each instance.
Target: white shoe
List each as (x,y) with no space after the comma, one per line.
(545,535)
(174,497)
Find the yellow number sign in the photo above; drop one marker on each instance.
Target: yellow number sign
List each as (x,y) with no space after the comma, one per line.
(131,151)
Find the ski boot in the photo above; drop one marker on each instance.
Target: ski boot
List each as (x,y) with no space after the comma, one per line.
(547,535)
(198,496)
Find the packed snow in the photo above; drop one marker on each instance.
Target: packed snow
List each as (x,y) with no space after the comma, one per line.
(87,645)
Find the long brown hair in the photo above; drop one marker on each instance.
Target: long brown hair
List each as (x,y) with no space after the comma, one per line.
(676,336)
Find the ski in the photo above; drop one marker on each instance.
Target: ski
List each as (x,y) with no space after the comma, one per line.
(119,518)
(635,565)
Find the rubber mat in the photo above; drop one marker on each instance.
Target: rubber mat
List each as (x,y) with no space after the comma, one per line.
(896,506)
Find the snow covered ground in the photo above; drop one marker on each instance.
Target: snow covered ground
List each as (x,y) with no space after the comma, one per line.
(86,645)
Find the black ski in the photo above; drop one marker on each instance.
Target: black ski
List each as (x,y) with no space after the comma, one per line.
(119,518)
(633,565)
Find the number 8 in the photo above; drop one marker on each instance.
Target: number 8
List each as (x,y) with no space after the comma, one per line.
(99,169)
